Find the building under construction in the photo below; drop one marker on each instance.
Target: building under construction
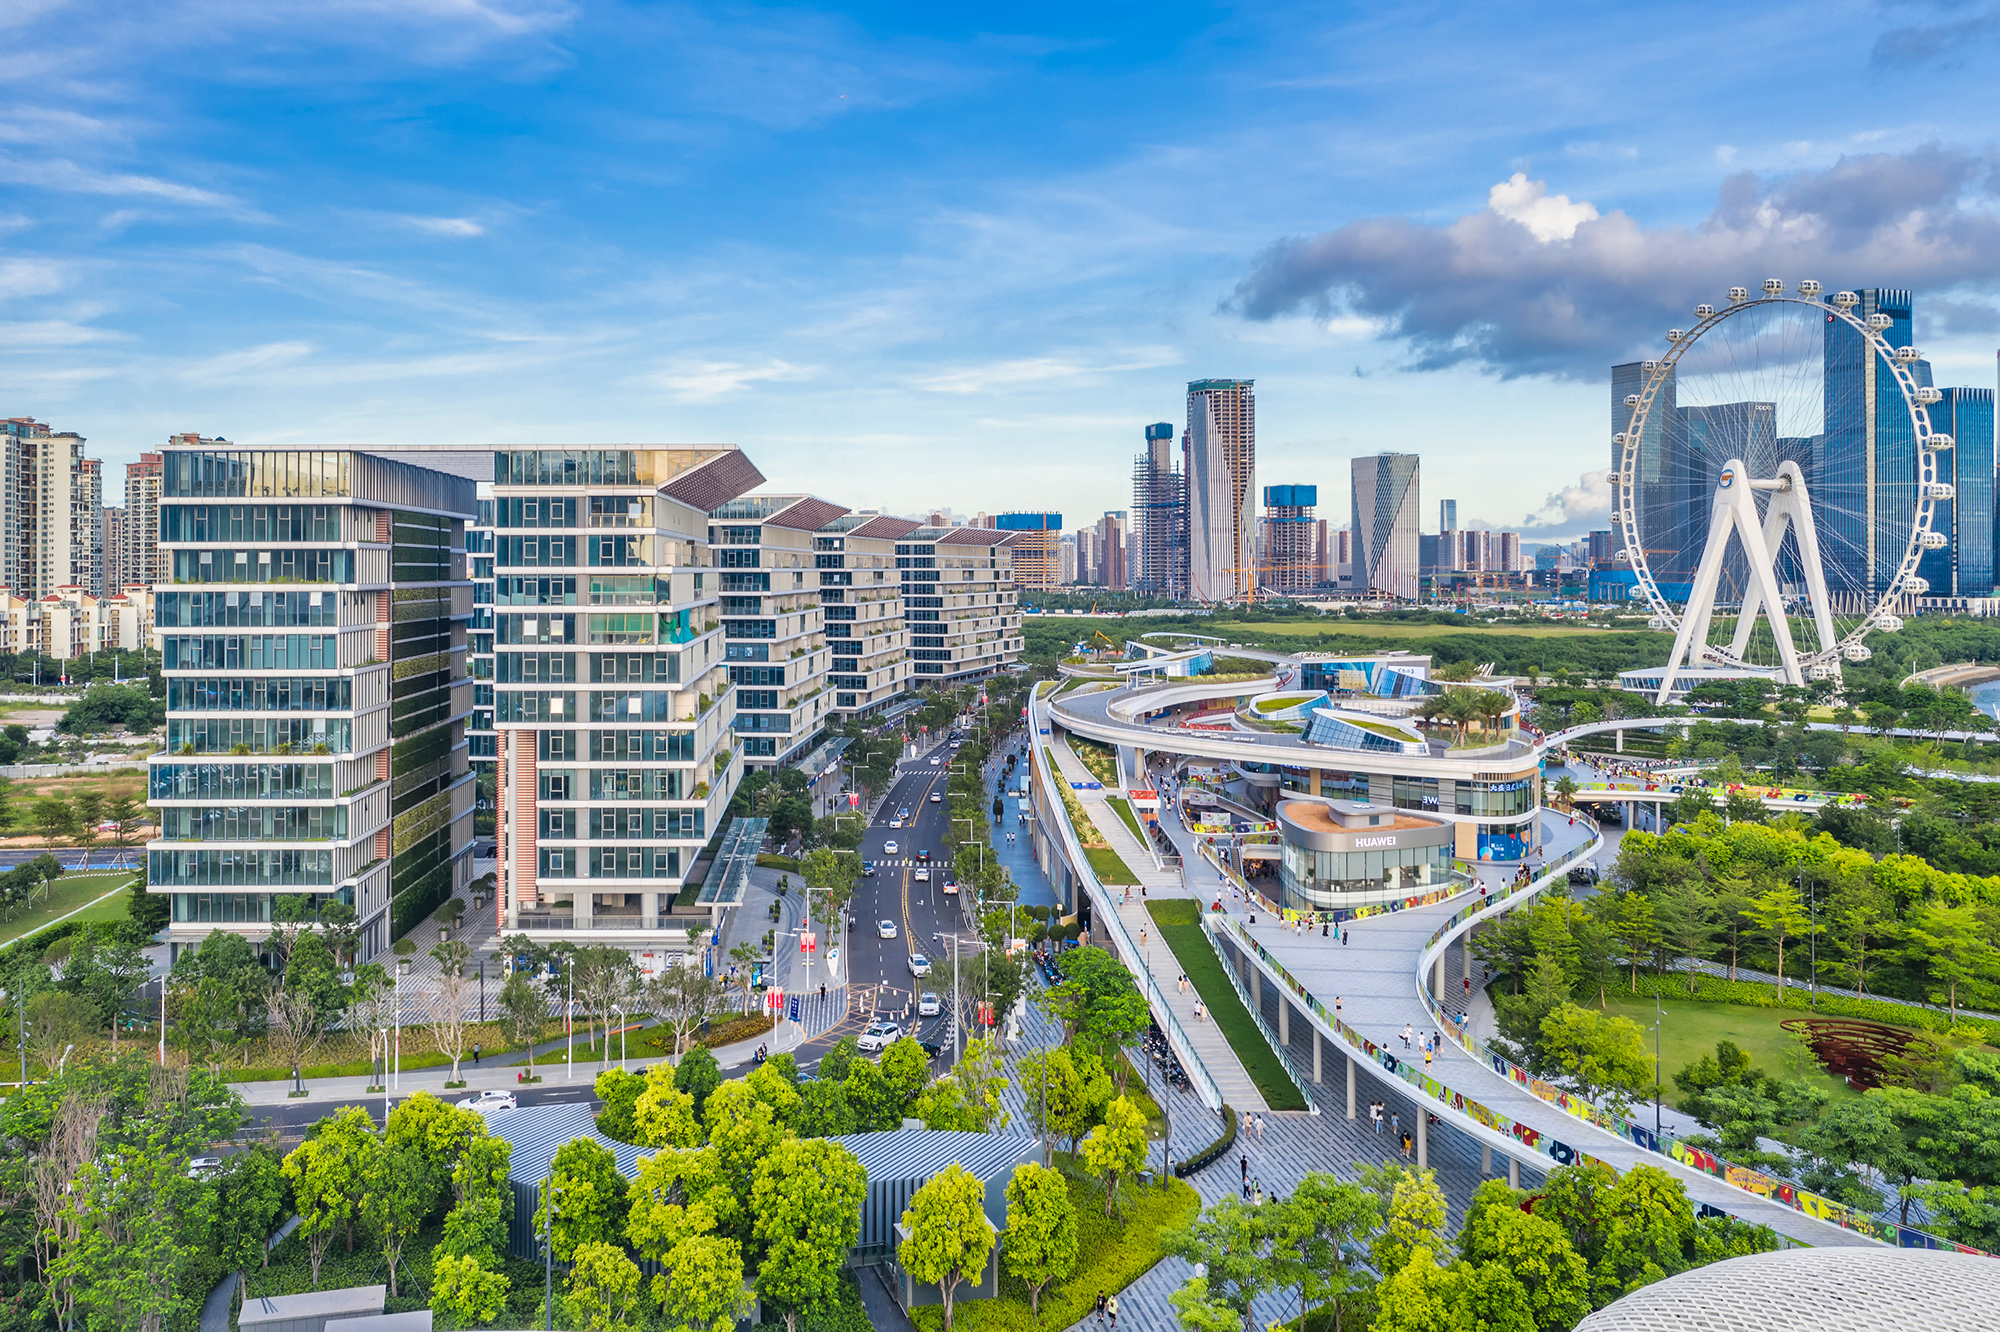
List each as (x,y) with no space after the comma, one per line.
(1159,518)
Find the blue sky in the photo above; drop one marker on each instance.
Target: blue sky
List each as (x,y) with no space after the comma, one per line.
(922,256)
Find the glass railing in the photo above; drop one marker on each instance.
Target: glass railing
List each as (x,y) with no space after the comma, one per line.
(1105,911)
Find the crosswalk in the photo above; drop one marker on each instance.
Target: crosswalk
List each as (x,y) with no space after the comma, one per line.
(905,863)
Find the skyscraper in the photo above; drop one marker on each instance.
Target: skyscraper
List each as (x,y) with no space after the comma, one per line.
(1660,500)
(112,542)
(1036,549)
(1110,550)
(142,519)
(1966,414)
(1867,488)
(1447,515)
(1221,476)
(1386,552)
(1291,558)
(1159,517)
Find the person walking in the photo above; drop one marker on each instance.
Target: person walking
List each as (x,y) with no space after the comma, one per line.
(1243,1159)
(1111,1307)
(1406,1146)
(1100,1306)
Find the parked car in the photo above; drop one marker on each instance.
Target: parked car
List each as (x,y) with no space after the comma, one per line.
(201,1165)
(493,1098)
(1584,874)
(922,875)
(885,929)
(919,965)
(927,1004)
(879,1037)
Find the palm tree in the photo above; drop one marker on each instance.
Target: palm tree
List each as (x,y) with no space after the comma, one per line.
(1566,789)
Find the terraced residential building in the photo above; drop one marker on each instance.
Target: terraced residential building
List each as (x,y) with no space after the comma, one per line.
(312,611)
(612,696)
(772,618)
(861,594)
(960,606)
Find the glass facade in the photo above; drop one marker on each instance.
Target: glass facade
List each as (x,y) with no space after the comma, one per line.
(1313,880)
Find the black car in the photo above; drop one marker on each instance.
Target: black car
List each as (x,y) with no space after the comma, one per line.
(1585,875)
(931,1048)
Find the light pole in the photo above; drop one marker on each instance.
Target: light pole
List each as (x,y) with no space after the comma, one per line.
(623,1048)
(1658,1017)
(569,1018)
(549,1249)
(402,970)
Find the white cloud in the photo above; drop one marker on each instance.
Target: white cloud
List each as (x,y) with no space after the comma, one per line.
(1547,217)
(65,175)
(28,277)
(705,381)
(447,226)
(1574,509)
(1033,369)
(247,363)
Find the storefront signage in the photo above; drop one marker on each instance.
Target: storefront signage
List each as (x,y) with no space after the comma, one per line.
(1360,842)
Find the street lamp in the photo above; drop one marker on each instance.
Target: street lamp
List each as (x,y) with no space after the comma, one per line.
(549,1249)
(402,970)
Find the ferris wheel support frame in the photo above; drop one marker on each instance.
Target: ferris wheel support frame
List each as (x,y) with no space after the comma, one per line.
(1734,510)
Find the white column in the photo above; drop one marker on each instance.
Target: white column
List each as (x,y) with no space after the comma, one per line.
(1513,1173)
(1284,1022)
(1350,1085)
(1319,1048)
(1485,1158)
(1423,1137)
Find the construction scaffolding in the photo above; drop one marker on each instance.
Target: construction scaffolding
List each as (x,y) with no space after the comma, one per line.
(1159,518)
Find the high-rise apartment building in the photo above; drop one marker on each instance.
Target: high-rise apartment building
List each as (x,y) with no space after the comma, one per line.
(1386,553)
(959,601)
(111,541)
(312,612)
(613,700)
(1111,554)
(142,516)
(56,531)
(1159,517)
(861,596)
(1220,473)
(1291,539)
(1036,551)
(772,617)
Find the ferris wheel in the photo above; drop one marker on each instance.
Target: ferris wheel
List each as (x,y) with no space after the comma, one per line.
(1777,482)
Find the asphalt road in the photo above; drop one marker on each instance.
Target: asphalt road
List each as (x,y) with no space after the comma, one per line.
(878,969)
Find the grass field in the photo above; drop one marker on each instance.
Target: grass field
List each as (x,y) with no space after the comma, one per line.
(1130,819)
(1360,628)
(1691,1029)
(66,895)
(1109,865)
(1180,926)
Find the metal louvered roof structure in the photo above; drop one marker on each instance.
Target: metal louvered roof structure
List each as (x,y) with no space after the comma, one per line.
(734,860)
(536,1133)
(1827,1290)
(899,1161)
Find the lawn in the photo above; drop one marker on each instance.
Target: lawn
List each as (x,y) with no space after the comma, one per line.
(1691,1029)
(1109,866)
(1112,1253)
(65,895)
(1125,813)
(1416,633)
(1180,926)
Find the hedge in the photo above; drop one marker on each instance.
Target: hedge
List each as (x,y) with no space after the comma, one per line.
(1215,1151)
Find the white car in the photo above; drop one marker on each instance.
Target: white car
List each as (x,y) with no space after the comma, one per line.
(493,1098)
(922,875)
(919,965)
(934,762)
(895,823)
(879,1036)
(888,848)
(886,929)
(936,799)
(201,1165)
(927,1005)
(951,887)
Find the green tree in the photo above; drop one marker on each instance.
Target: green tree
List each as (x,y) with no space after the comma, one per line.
(1040,1241)
(1116,1147)
(325,1180)
(770,1085)
(483,1199)
(1533,1251)
(743,1131)
(1413,1211)
(1234,1241)
(874,1102)
(907,1068)
(1649,1231)
(588,1194)
(677,1196)
(824,1111)
(393,1199)
(1196,1311)
(1420,1296)
(698,1075)
(662,1114)
(523,1010)
(702,1288)
(807,1204)
(1629,916)
(1954,944)
(603,1288)
(466,1291)
(1780,915)
(1601,1055)
(949,1235)
(619,1090)
(1318,1226)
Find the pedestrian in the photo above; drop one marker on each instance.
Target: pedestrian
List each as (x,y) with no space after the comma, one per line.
(1406,1146)
(475,1054)
(1427,1055)
(1257,1195)
(1100,1306)
(1336,1006)
(1246,1188)
(1468,989)
(1243,1159)
(1111,1307)
(1395,1122)
(1260,1128)
(1343,938)
(822,991)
